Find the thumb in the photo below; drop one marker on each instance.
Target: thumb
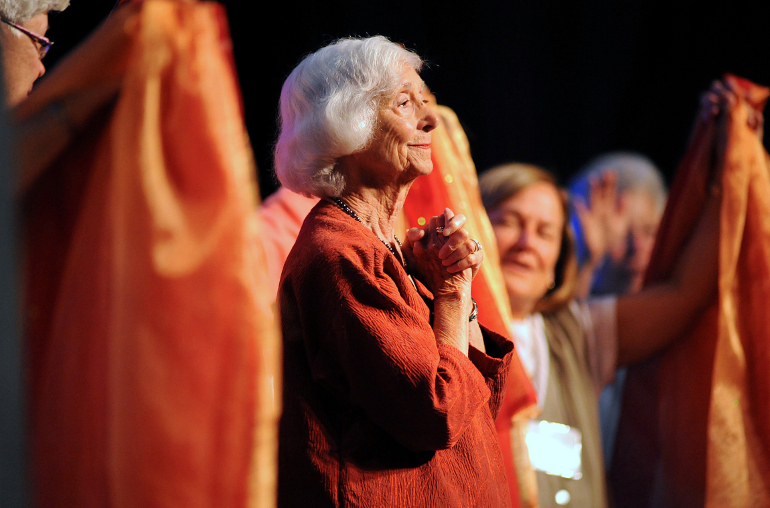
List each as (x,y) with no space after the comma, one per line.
(413,236)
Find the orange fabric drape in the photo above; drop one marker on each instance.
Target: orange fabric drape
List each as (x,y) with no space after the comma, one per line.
(705,403)
(152,353)
(454,184)
(738,467)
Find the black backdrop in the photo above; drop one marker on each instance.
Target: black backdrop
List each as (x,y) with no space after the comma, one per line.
(553,83)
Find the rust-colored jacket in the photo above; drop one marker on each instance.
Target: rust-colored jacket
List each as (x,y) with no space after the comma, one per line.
(376,413)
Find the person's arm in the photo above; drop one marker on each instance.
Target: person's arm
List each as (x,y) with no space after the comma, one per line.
(651,319)
(450,318)
(458,255)
(475,337)
(585,279)
(648,321)
(47,120)
(492,355)
(41,138)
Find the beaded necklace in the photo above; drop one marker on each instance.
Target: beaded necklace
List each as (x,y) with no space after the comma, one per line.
(345,208)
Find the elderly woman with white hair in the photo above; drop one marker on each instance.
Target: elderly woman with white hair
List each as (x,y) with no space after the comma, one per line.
(391,386)
(23,42)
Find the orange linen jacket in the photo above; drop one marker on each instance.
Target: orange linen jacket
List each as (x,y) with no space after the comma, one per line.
(376,412)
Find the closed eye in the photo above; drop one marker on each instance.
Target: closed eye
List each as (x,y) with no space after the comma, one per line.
(506,219)
(549,233)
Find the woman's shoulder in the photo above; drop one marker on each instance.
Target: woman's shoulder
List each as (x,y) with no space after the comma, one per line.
(330,240)
(568,322)
(566,312)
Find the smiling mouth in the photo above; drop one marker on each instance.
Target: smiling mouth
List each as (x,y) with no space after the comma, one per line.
(518,265)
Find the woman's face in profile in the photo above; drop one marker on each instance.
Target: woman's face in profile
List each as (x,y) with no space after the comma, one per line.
(400,147)
(528,228)
(21,60)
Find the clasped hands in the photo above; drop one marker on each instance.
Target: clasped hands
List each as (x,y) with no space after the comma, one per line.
(442,253)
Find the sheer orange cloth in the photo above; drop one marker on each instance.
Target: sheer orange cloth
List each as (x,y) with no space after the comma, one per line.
(454,184)
(152,353)
(709,393)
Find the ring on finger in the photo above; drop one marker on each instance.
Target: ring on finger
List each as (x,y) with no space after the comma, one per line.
(439,229)
(478,244)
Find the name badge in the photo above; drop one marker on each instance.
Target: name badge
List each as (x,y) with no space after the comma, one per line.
(555,448)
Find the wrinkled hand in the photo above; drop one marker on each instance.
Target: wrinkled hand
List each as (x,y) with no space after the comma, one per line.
(447,260)
(602,219)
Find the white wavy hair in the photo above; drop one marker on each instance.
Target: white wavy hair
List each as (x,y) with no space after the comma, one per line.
(19,11)
(329,106)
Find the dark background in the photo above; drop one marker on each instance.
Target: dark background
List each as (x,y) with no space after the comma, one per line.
(552,83)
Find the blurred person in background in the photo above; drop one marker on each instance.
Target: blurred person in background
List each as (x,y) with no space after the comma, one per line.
(617,200)
(40,137)
(24,44)
(570,348)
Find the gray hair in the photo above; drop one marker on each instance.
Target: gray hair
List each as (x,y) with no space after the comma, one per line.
(329,106)
(635,173)
(19,11)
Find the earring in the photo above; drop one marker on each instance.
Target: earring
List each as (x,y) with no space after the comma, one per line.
(551,284)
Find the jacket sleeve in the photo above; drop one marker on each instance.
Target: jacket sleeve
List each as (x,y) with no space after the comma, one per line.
(376,351)
(493,365)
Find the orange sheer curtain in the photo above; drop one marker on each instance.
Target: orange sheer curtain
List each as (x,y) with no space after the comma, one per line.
(704,404)
(152,353)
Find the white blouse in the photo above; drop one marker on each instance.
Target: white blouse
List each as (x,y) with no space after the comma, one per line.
(598,319)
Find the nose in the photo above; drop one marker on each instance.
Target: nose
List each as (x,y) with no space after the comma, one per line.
(429,119)
(522,242)
(40,69)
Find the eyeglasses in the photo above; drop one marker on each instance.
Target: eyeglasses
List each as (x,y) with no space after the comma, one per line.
(43,44)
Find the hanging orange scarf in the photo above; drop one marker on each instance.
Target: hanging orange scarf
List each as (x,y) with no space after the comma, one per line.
(709,393)
(152,354)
